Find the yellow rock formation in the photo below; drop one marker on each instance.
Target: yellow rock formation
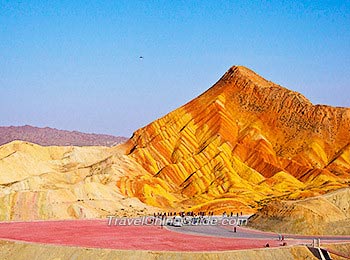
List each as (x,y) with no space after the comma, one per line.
(320,215)
(242,143)
(64,182)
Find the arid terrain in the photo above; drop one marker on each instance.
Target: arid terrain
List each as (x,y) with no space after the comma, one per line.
(243,143)
(328,214)
(50,136)
(56,182)
(14,250)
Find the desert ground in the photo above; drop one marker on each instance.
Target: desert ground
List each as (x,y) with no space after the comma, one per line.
(245,147)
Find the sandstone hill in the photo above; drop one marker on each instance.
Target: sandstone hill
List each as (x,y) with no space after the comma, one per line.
(242,143)
(55,182)
(322,215)
(51,136)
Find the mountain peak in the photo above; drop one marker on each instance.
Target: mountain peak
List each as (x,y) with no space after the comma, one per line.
(241,72)
(256,90)
(243,134)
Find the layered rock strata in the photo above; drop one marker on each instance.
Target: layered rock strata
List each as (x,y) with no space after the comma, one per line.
(240,144)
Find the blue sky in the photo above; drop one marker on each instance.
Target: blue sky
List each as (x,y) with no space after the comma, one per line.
(75,65)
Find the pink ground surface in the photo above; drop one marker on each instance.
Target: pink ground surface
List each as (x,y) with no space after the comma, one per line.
(97,234)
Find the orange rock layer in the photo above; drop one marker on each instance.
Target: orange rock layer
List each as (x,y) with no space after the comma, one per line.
(240,144)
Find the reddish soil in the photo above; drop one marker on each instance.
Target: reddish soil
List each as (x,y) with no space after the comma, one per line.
(97,234)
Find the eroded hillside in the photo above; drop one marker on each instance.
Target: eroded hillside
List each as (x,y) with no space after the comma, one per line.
(322,215)
(240,144)
(64,182)
(243,143)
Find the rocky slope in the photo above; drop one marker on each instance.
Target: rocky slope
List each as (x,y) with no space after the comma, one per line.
(242,143)
(50,136)
(322,215)
(54,182)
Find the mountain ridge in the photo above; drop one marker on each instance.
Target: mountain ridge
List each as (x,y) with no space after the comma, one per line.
(242,144)
(241,127)
(51,136)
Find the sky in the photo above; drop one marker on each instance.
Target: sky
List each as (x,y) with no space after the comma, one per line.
(75,65)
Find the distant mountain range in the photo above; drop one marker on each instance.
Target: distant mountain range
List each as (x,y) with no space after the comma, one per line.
(50,136)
